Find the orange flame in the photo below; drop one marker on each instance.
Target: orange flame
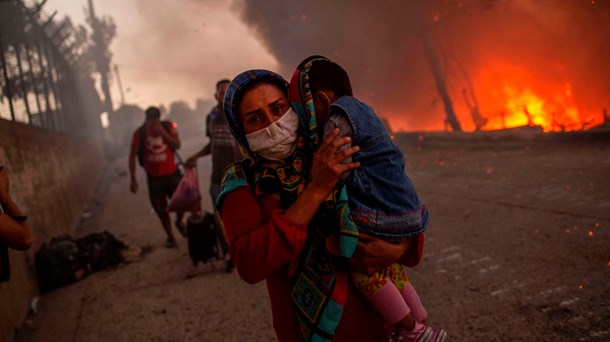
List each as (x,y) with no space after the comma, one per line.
(524,107)
(511,97)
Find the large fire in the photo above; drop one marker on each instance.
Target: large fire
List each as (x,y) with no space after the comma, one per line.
(512,97)
(523,107)
(509,96)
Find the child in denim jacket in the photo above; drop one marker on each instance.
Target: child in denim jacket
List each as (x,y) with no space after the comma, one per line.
(381,199)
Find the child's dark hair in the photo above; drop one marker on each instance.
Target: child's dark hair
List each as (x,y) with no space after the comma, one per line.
(328,75)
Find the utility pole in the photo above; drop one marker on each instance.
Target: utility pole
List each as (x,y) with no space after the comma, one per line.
(101,60)
(118,79)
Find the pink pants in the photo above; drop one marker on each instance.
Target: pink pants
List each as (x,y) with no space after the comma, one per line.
(392,294)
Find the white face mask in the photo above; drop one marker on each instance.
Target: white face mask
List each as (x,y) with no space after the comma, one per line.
(278,140)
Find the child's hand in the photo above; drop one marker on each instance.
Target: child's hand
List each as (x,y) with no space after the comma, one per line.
(374,254)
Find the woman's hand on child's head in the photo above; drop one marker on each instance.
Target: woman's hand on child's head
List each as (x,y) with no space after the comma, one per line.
(373,254)
(327,167)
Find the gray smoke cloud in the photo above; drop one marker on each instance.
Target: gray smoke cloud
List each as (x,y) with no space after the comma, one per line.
(169,50)
(380,44)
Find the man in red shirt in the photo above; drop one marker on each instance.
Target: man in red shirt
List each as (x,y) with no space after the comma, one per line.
(159,142)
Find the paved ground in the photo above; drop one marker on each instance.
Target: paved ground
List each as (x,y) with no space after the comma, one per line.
(518,249)
(161,296)
(518,246)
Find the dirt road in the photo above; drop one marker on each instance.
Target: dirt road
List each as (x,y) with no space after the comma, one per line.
(518,249)
(518,245)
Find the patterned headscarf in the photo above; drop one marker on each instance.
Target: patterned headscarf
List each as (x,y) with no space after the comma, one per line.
(287,176)
(318,320)
(234,94)
(301,100)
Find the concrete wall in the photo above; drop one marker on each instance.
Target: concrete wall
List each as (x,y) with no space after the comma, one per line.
(52,178)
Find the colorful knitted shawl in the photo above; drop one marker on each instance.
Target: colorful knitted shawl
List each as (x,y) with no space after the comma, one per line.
(301,100)
(319,319)
(318,291)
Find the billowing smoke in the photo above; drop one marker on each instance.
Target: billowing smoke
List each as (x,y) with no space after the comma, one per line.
(170,50)
(548,53)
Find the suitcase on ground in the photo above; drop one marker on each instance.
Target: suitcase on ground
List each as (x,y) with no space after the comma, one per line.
(202,237)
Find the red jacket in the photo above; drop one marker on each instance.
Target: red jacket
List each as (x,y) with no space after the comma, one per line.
(263,243)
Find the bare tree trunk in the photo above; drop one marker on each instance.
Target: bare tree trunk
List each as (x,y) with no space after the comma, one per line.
(441,86)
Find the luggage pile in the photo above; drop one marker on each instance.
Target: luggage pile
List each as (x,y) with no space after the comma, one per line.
(65,260)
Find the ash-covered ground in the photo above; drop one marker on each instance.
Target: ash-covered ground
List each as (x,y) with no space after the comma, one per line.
(518,249)
(518,245)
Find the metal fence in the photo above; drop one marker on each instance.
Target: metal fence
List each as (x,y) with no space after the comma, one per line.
(38,82)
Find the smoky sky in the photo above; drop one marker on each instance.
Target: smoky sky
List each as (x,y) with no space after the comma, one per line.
(180,49)
(169,50)
(380,44)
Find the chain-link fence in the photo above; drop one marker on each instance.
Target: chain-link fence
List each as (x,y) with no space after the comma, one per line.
(39,84)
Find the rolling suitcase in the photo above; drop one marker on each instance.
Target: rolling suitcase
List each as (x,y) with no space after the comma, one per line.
(202,238)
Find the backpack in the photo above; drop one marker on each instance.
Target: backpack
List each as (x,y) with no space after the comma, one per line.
(142,132)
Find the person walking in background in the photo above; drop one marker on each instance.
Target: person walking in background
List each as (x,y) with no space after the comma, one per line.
(14,229)
(223,149)
(154,145)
